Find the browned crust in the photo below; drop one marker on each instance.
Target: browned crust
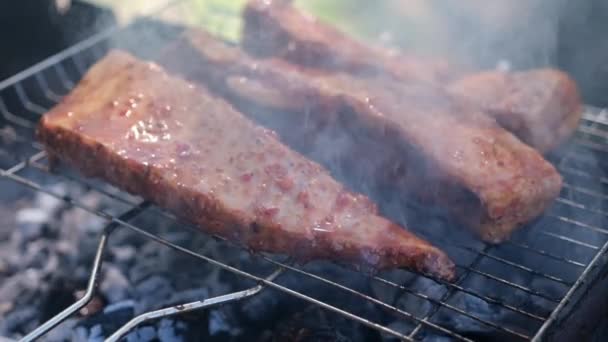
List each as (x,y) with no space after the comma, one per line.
(493,207)
(94,159)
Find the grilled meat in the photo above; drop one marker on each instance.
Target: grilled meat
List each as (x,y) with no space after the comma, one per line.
(172,143)
(419,136)
(541,107)
(276,29)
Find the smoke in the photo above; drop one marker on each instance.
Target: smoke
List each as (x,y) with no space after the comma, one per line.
(476,32)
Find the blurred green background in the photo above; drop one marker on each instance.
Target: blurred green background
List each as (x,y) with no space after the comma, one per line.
(474,32)
(372,20)
(345,13)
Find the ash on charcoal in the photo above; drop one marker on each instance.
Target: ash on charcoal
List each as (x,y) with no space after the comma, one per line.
(47,255)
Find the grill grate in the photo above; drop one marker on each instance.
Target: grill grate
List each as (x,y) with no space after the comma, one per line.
(571,236)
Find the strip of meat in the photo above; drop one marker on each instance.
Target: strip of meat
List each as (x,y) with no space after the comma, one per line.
(542,108)
(159,137)
(274,28)
(419,136)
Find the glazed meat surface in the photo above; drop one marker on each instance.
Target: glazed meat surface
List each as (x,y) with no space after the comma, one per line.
(439,148)
(171,142)
(541,107)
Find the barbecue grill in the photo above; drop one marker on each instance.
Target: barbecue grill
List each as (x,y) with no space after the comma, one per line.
(521,290)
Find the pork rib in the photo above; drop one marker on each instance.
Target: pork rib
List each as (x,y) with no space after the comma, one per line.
(440,148)
(172,143)
(542,108)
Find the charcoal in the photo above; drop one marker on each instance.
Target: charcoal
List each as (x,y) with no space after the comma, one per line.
(30,222)
(63,332)
(151,291)
(123,253)
(114,285)
(223,322)
(123,306)
(169,331)
(143,334)
(80,334)
(96,333)
(19,320)
(47,249)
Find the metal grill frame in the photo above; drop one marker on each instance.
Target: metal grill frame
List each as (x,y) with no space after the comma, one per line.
(90,46)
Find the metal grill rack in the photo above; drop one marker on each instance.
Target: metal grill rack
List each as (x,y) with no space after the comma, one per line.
(574,244)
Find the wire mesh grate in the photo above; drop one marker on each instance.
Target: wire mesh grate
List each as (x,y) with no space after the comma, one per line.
(571,236)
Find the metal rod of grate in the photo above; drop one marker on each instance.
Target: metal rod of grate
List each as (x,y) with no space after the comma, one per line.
(75,54)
